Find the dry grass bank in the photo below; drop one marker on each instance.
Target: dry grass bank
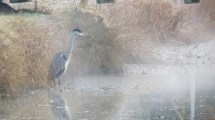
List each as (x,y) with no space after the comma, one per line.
(27,46)
(159,20)
(24,53)
(144,24)
(208,10)
(128,29)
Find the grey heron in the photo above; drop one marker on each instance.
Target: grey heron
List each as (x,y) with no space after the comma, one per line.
(59,63)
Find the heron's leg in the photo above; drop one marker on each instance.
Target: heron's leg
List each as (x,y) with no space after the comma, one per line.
(55,83)
(54,80)
(59,83)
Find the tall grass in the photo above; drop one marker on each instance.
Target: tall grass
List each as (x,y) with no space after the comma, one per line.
(201,21)
(207,8)
(24,55)
(143,24)
(159,19)
(206,13)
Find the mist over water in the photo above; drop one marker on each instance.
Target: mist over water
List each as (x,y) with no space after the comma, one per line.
(162,92)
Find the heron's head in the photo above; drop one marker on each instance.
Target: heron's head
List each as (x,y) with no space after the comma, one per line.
(77,32)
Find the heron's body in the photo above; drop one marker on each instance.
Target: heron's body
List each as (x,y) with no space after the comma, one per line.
(60,61)
(59,65)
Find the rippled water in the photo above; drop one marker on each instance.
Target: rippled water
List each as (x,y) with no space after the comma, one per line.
(143,93)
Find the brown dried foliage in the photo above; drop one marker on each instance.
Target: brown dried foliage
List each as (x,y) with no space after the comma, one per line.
(207,9)
(158,19)
(24,54)
(144,23)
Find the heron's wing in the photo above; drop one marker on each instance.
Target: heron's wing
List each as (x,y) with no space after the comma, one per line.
(60,72)
(57,66)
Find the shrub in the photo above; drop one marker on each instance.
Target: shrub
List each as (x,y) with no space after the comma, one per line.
(144,23)
(24,54)
(207,9)
(158,19)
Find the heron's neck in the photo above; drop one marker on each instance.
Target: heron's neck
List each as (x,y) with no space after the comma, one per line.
(70,44)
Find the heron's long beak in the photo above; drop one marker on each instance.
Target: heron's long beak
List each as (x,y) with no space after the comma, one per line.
(82,34)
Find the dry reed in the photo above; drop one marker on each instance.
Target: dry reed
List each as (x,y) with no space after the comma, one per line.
(24,51)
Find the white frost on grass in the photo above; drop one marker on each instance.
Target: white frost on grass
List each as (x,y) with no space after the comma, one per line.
(199,53)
